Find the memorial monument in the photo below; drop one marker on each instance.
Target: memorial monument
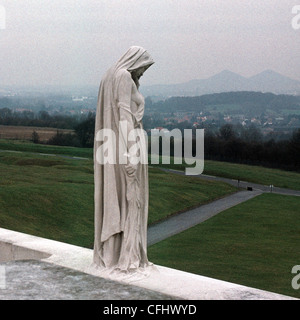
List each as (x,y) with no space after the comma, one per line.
(121,186)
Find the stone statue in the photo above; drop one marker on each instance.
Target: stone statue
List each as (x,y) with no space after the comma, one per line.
(121,189)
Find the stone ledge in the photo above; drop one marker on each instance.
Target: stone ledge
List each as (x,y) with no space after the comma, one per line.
(16,246)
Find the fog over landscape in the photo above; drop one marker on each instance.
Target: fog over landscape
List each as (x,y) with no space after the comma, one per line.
(72,43)
(216,62)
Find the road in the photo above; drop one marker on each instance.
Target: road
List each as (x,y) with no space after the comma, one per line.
(183,221)
(242,184)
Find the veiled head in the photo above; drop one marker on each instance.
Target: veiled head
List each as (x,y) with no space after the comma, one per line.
(135,58)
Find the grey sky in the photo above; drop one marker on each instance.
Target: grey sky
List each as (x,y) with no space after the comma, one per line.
(73,42)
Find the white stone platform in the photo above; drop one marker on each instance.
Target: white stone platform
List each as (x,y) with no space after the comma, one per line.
(182,285)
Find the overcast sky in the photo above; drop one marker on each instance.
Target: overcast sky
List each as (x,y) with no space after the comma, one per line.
(73,42)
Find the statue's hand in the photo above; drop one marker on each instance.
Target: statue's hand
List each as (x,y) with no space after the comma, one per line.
(131,169)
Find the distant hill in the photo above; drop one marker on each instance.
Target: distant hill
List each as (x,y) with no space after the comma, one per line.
(227,81)
(245,102)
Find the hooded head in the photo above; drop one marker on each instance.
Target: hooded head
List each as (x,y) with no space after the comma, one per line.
(135,58)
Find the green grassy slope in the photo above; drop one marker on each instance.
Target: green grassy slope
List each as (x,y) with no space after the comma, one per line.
(53,197)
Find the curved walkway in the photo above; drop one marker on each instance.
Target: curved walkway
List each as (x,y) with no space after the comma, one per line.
(183,221)
(242,184)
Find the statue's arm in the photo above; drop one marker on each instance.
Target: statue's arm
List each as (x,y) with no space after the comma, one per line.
(124,94)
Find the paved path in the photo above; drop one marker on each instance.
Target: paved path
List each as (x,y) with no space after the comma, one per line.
(183,221)
(242,184)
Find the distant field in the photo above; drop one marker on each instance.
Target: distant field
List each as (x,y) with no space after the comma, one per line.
(25,133)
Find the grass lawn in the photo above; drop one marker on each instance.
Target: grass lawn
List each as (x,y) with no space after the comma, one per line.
(170,193)
(47,196)
(255,174)
(27,146)
(255,244)
(53,197)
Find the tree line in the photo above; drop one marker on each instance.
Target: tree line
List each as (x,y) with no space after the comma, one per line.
(83,126)
(39,119)
(234,144)
(228,143)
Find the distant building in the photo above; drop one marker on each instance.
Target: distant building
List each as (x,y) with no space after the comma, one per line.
(245,122)
(255,121)
(269,122)
(22,110)
(75,99)
(279,119)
